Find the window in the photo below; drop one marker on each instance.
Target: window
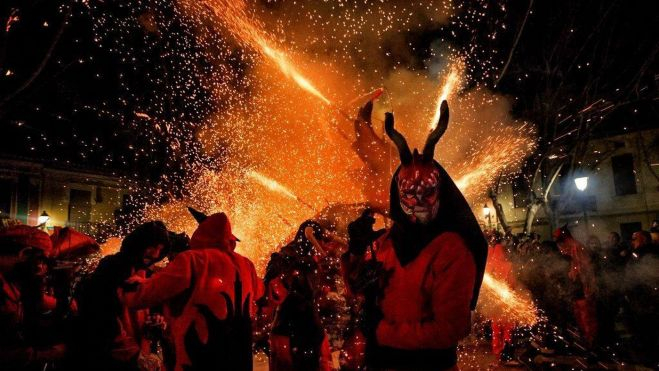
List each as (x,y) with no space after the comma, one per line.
(624,178)
(521,194)
(80,206)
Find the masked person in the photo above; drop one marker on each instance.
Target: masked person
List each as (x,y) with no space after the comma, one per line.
(421,278)
(209,295)
(109,335)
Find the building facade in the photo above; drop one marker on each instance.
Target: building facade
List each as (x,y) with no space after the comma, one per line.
(83,199)
(621,192)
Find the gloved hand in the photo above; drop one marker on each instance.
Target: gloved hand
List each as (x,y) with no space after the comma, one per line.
(361,233)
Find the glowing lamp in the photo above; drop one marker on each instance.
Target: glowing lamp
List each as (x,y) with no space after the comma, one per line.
(486,210)
(43,218)
(581,183)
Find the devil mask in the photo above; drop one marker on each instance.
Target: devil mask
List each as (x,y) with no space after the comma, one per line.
(418,178)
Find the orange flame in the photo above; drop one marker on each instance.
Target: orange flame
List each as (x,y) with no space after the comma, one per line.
(452,80)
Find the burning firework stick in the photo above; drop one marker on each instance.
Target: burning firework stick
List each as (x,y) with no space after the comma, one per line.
(275,186)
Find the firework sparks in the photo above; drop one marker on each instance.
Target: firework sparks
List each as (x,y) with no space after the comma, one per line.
(515,307)
(451,82)
(288,69)
(235,18)
(272,184)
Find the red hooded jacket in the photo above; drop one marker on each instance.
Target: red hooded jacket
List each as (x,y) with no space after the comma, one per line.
(209,294)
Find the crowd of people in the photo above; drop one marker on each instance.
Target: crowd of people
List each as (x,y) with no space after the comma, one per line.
(606,290)
(208,308)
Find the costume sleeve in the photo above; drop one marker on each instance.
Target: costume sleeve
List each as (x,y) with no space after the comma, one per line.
(164,285)
(452,278)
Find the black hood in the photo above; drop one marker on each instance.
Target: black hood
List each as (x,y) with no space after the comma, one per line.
(454,215)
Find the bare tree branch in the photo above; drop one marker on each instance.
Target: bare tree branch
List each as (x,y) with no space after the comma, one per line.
(42,65)
(512,49)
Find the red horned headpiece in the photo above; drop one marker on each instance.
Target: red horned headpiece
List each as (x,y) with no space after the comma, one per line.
(418,178)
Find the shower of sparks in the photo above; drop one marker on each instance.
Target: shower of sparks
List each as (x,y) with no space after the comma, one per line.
(506,151)
(451,82)
(512,305)
(268,85)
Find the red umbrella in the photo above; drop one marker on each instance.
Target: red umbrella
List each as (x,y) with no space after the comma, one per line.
(22,236)
(69,243)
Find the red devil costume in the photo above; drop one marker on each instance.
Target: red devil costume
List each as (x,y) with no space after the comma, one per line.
(582,274)
(501,268)
(428,266)
(209,293)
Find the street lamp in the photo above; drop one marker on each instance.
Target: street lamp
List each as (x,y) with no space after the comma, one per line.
(486,212)
(582,183)
(43,218)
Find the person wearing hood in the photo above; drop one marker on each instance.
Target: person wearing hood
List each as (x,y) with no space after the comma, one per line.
(420,278)
(209,295)
(109,335)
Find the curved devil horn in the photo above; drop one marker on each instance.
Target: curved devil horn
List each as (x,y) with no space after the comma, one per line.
(433,137)
(397,138)
(365,112)
(197,215)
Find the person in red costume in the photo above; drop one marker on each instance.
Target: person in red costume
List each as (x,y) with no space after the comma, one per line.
(582,274)
(500,267)
(209,293)
(420,279)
